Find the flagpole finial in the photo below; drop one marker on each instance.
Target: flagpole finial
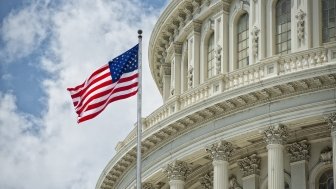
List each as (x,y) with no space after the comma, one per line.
(140,33)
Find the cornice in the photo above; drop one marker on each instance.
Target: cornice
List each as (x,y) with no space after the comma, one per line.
(171,129)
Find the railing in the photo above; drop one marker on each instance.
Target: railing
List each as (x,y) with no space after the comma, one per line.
(267,68)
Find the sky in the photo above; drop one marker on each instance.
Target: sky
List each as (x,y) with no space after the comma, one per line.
(45,47)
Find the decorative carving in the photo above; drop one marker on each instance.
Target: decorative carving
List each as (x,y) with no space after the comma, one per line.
(177,48)
(233,183)
(209,25)
(300,24)
(177,170)
(249,165)
(165,69)
(326,155)
(197,6)
(298,151)
(197,26)
(147,185)
(276,134)
(190,76)
(255,40)
(188,11)
(221,151)
(181,17)
(207,181)
(218,59)
(331,121)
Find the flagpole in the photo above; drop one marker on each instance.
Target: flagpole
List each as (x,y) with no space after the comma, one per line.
(139,125)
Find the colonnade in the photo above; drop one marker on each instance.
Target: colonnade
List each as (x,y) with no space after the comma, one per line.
(275,138)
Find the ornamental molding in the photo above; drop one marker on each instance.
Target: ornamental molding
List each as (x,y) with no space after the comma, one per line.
(165,69)
(249,165)
(255,40)
(218,59)
(233,183)
(177,170)
(299,151)
(264,95)
(326,155)
(147,185)
(300,24)
(276,134)
(177,48)
(331,121)
(222,150)
(207,180)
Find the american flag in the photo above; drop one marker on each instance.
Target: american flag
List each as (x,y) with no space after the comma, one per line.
(114,81)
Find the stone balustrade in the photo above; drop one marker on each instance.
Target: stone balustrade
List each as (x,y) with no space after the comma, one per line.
(265,69)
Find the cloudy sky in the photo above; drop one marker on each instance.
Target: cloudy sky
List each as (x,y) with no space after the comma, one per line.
(45,47)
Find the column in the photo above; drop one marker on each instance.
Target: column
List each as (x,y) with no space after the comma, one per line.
(221,153)
(331,120)
(165,71)
(177,58)
(225,38)
(250,168)
(275,137)
(298,153)
(177,172)
(194,55)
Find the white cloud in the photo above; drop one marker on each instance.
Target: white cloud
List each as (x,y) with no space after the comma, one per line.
(23,31)
(84,35)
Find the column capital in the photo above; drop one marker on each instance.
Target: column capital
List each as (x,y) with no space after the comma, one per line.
(221,151)
(177,47)
(207,180)
(177,170)
(249,165)
(276,134)
(147,185)
(331,121)
(299,151)
(165,69)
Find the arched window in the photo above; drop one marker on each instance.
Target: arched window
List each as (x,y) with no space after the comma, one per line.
(326,180)
(283,26)
(328,20)
(211,56)
(243,45)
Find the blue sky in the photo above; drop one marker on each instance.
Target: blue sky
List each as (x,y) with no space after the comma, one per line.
(45,47)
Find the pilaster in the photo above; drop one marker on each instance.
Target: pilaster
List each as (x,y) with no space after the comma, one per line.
(299,155)
(331,121)
(177,59)
(165,71)
(194,55)
(207,181)
(275,137)
(250,168)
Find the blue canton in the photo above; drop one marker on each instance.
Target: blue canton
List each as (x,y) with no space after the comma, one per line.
(127,62)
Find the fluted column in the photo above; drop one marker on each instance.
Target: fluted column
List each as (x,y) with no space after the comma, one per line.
(250,168)
(177,173)
(221,153)
(298,153)
(331,120)
(275,137)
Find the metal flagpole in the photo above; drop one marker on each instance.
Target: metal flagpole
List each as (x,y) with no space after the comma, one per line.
(139,125)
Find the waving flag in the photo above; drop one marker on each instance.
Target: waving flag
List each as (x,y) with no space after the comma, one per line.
(114,81)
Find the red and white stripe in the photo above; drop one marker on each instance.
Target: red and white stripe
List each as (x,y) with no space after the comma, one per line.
(92,97)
